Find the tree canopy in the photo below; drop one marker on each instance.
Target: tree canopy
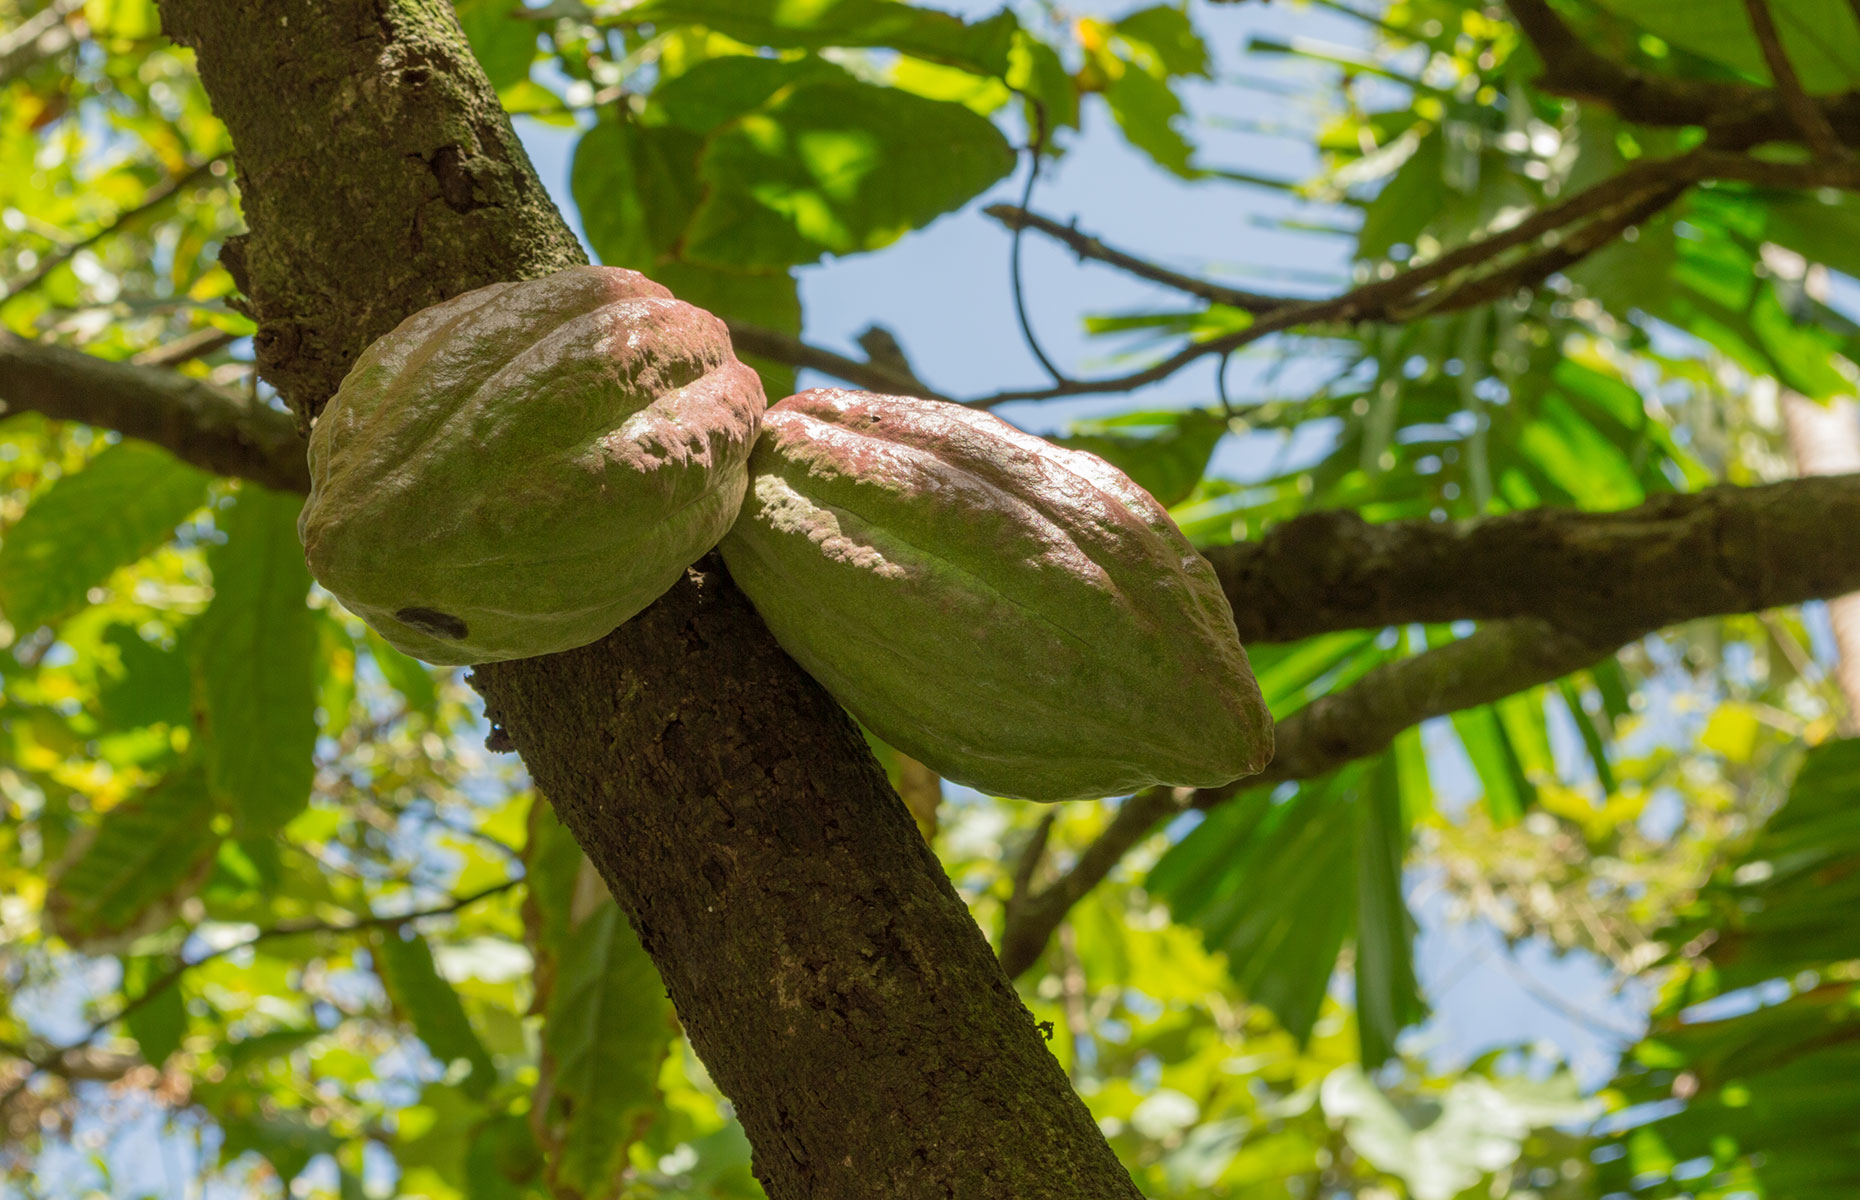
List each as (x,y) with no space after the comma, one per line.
(1531,514)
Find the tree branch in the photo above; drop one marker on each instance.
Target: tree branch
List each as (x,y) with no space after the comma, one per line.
(1493,662)
(874,376)
(217,430)
(1468,275)
(1087,246)
(1674,558)
(1735,115)
(1574,69)
(1590,582)
(1804,113)
(825,969)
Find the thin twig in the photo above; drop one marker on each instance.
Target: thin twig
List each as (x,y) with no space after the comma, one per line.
(48,1060)
(160,194)
(186,348)
(1802,110)
(1496,660)
(1087,246)
(1014,268)
(782,348)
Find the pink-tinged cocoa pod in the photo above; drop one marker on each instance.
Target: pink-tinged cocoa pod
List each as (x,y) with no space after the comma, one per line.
(1021,618)
(520,469)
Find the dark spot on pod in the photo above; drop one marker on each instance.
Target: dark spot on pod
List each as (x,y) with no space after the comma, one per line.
(431,620)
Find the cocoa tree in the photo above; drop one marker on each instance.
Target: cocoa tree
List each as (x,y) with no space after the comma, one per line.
(834,984)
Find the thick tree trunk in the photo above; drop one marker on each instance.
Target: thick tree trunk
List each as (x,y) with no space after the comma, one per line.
(827,972)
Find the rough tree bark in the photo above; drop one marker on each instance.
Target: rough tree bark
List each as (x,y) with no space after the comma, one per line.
(823,966)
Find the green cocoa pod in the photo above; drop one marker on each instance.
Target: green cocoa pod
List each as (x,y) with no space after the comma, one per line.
(520,469)
(1021,618)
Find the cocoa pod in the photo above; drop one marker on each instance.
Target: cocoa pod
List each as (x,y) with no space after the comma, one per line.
(1021,618)
(521,468)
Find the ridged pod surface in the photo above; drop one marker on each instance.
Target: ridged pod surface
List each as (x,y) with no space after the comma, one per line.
(520,469)
(1021,618)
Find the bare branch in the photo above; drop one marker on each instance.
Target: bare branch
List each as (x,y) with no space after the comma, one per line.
(1476,272)
(1803,111)
(874,376)
(157,196)
(1603,580)
(1674,558)
(1087,246)
(186,348)
(1362,719)
(220,431)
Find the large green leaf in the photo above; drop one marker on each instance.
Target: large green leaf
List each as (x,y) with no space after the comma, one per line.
(159,1024)
(423,998)
(147,852)
(635,186)
(604,1036)
(501,38)
(719,90)
(121,505)
(606,1024)
(1149,113)
(1271,884)
(254,669)
(923,32)
(834,166)
(1388,998)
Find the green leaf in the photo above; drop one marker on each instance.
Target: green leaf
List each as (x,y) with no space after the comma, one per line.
(606,1026)
(605,1034)
(1166,36)
(152,686)
(145,853)
(1769,1091)
(1035,71)
(1270,884)
(501,39)
(634,187)
(287,1140)
(833,166)
(1508,794)
(925,33)
(1388,998)
(1147,110)
(423,998)
(159,1024)
(254,670)
(120,506)
(1165,452)
(719,90)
